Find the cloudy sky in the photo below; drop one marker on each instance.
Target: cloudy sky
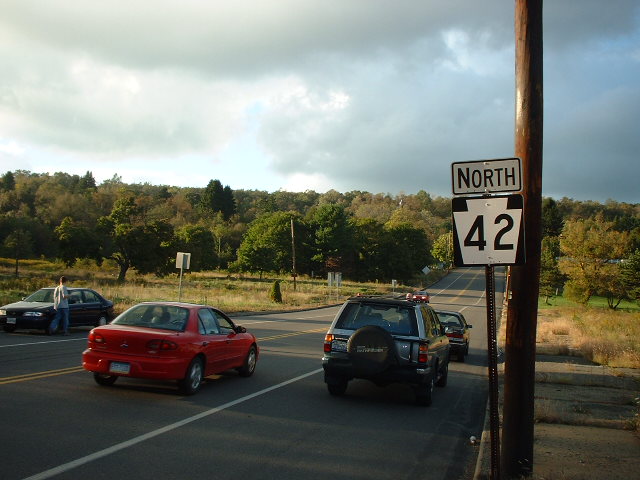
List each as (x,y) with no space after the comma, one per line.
(371,95)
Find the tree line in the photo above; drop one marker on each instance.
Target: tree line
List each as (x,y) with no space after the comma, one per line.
(366,236)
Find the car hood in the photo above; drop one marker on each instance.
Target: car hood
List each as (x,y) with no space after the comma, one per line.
(23,306)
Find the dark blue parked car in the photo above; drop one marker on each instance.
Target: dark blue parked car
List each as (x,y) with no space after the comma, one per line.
(86,307)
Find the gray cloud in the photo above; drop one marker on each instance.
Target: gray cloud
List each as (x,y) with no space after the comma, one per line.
(368,94)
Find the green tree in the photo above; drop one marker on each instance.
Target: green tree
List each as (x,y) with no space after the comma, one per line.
(332,238)
(199,241)
(443,249)
(630,273)
(7,182)
(551,279)
(19,243)
(76,241)
(371,246)
(592,250)
(409,251)
(130,242)
(266,247)
(552,220)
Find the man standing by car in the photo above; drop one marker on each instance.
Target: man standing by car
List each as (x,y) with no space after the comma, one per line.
(61,306)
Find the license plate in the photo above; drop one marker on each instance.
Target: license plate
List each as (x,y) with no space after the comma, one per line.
(118,367)
(339,346)
(11,320)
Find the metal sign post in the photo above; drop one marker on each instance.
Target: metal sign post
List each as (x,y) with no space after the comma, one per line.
(489,231)
(183,260)
(494,415)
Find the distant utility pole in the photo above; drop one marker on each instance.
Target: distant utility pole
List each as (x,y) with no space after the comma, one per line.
(293,256)
(520,347)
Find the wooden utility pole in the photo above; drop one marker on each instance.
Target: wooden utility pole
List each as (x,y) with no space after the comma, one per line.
(294,274)
(520,347)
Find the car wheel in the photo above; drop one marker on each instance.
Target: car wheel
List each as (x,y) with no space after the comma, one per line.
(192,381)
(444,375)
(371,350)
(337,388)
(424,393)
(461,355)
(103,320)
(105,380)
(9,328)
(249,366)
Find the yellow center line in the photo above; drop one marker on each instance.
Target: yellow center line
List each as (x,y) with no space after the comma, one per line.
(37,375)
(63,371)
(292,334)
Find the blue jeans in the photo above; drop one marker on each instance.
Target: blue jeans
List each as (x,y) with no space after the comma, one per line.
(64,313)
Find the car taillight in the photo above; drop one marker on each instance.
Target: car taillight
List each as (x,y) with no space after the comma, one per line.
(327,342)
(423,353)
(96,337)
(161,345)
(454,335)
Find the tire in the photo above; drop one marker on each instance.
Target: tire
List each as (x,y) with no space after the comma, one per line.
(104,380)
(192,381)
(250,362)
(444,375)
(337,389)
(424,393)
(103,320)
(371,350)
(9,328)
(460,356)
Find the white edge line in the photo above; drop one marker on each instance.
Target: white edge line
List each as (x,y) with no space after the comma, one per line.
(65,467)
(84,339)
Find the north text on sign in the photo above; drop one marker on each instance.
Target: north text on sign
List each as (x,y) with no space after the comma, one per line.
(486,176)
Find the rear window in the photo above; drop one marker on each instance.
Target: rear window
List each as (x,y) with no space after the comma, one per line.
(396,320)
(164,317)
(448,320)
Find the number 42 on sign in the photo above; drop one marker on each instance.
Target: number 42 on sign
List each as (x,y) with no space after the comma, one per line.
(488,230)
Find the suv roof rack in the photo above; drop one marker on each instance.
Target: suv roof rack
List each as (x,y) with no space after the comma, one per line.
(382,296)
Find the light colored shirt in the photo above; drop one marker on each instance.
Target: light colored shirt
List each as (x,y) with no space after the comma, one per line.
(60,295)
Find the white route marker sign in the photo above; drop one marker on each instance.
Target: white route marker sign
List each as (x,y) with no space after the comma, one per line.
(488,230)
(486,176)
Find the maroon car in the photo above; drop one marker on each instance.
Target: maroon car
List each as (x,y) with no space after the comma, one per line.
(419,296)
(170,341)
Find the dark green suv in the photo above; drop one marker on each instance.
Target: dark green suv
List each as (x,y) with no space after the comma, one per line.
(386,340)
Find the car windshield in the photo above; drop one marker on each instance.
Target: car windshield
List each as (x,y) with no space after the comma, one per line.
(449,320)
(164,317)
(395,319)
(43,295)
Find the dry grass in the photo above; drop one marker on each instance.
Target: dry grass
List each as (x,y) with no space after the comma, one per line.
(230,293)
(604,336)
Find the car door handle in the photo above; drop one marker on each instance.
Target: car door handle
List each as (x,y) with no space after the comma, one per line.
(228,341)
(204,344)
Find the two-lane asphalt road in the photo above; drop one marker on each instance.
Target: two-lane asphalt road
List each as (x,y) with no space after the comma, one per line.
(280,423)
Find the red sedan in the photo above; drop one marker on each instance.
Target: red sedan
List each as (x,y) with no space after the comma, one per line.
(169,341)
(419,296)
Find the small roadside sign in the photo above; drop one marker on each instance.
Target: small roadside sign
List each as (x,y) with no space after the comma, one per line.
(486,176)
(488,230)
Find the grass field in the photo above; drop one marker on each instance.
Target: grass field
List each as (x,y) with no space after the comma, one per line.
(230,293)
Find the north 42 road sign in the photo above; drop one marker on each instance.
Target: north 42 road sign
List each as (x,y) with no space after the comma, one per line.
(488,231)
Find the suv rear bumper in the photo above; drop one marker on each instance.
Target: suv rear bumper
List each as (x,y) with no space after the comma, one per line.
(343,369)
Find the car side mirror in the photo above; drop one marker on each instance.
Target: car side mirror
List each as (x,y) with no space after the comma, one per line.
(240,329)
(448,329)
(469,326)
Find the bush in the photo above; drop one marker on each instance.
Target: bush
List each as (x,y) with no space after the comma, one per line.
(275,294)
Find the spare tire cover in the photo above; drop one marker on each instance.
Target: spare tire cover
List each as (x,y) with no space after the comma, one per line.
(371,350)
